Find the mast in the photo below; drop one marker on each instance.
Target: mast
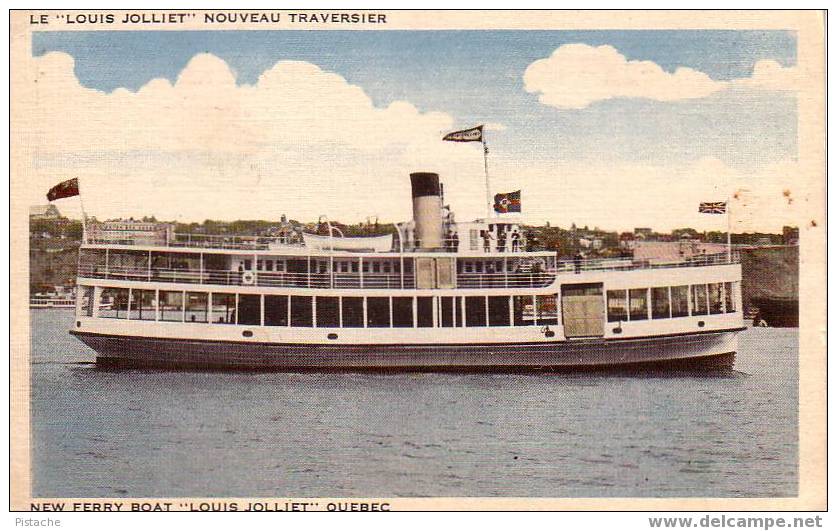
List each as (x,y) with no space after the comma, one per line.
(83,214)
(729,231)
(487,182)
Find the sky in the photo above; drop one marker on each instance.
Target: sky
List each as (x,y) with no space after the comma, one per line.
(615,129)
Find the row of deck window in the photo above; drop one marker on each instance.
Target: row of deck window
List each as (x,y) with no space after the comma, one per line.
(670,301)
(326,312)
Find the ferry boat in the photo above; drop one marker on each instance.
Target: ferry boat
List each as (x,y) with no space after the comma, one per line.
(439,295)
(40,301)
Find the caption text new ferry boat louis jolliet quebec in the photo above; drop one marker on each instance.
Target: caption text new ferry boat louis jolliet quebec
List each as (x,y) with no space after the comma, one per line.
(438,295)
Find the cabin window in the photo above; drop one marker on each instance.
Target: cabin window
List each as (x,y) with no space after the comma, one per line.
(447,315)
(113,303)
(386,267)
(223,308)
(617,305)
(699,303)
(729,297)
(424,309)
(250,310)
(171,305)
(716,298)
(402,312)
(475,311)
(276,310)
(143,304)
(248,265)
(354,267)
(353,312)
(280,266)
(197,304)
(376,267)
(660,306)
(87,301)
(377,312)
(548,309)
(328,312)
(498,311)
(680,301)
(524,310)
(302,311)
(269,265)
(638,304)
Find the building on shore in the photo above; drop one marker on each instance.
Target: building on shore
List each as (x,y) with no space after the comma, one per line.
(43,212)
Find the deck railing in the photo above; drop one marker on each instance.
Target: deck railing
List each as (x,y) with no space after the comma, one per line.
(343,280)
(625,264)
(323,280)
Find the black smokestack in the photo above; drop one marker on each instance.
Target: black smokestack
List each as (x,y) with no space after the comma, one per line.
(425,184)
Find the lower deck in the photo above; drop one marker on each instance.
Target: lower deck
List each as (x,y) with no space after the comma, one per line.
(571,310)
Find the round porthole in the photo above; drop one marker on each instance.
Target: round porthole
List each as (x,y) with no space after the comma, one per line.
(332,336)
(617,330)
(78,324)
(701,324)
(247,333)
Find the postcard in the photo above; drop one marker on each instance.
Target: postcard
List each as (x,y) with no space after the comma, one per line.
(337,260)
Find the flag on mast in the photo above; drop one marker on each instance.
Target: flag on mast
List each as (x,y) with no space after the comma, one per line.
(68,188)
(466,135)
(506,203)
(717,207)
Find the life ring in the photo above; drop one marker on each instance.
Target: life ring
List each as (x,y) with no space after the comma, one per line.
(248,278)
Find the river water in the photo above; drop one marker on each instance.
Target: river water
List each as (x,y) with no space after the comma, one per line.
(98,433)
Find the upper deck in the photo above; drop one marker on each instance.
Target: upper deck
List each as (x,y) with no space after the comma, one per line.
(271,262)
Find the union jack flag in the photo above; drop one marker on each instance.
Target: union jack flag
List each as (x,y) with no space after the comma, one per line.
(718,207)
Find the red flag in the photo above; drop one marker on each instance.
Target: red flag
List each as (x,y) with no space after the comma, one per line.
(66,189)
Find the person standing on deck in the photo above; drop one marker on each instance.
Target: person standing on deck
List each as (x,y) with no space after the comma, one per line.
(515,241)
(486,241)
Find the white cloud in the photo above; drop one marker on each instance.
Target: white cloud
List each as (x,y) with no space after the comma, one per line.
(770,75)
(300,140)
(304,142)
(577,75)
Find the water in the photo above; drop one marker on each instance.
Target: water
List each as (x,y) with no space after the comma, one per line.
(158,434)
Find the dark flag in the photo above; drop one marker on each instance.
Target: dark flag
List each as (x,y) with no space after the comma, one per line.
(505,203)
(466,135)
(66,189)
(718,207)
